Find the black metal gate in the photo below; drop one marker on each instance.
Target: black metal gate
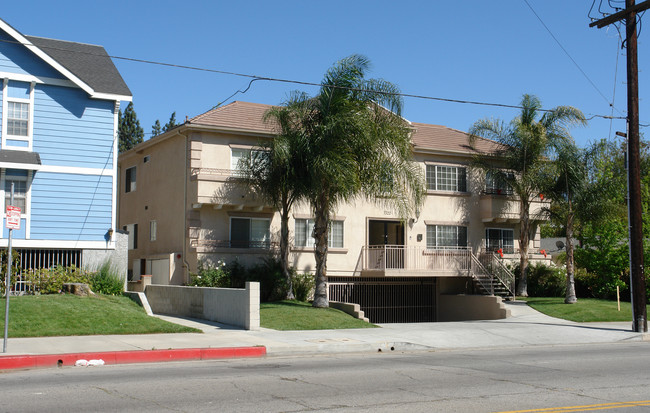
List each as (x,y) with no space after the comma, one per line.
(388,300)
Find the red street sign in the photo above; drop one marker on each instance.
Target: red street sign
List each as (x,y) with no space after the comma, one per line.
(13,217)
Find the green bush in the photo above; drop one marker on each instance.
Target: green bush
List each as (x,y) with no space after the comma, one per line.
(217,276)
(303,286)
(544,280)
(273,285)
(51,280)
(107,281)
(15,269)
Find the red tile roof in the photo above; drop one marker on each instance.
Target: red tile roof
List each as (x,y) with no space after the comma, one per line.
(249,116)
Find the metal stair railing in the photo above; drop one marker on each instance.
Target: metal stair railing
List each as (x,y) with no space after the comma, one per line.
(482,275)
(498,269)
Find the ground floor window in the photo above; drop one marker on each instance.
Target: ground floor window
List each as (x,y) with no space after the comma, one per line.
(305,228)
(250,233)
(446,236)
(500,239)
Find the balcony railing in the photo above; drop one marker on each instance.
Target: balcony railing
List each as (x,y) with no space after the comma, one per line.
(228,173)
(413,258)
(219,244)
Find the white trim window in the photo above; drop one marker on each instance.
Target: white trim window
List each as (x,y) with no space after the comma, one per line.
(495,186)
(446,236)
(238,158)
(446,178)
(18,119)
(500,239)
(304,233)
(22,180)
(153,230)
(250,232)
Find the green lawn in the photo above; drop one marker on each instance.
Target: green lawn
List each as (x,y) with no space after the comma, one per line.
(585,310)
(70,315)
(296,315)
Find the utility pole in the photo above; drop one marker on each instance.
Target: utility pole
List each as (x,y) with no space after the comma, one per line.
(637,279)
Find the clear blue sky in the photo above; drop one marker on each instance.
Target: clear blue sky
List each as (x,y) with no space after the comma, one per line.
(489,51)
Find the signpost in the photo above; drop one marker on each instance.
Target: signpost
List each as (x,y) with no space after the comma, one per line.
(12,221)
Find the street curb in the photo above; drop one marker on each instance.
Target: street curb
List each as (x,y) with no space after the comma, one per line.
(124,357)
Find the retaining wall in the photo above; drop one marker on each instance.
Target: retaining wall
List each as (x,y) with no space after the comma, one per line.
(234,306)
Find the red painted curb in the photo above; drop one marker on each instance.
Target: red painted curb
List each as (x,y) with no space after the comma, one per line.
(124,357)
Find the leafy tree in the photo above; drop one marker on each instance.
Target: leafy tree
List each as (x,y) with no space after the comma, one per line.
(354,144)
(129,131)
(155,129)
(171,124)
(525,145)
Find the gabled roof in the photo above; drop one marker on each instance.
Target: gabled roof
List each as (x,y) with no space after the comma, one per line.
(87,66)
(246,116)
(89,62)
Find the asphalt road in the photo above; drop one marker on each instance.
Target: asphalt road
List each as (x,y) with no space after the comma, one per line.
(556,379)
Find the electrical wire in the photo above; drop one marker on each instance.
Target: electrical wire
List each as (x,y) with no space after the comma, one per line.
(569,56)
(299,82)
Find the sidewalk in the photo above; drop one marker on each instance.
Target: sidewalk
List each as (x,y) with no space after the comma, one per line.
(526,327)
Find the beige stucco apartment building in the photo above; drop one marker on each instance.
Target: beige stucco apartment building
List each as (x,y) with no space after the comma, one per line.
(182,202)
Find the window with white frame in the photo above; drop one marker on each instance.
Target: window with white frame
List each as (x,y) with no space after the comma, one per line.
(17,118)
(446,178)
(304,233)
(17,108)
(239,157)
(497,183)
(446,236)
(153,230)
(130,179)
(500,239)
(250,233)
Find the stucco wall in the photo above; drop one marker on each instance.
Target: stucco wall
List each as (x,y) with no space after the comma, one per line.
(237,307)
(118,258)
(470,307)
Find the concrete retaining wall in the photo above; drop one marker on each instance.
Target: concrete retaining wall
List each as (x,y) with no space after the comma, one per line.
(471,307)
(237,307)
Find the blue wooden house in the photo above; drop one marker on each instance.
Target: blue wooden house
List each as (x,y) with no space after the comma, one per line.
(58,145)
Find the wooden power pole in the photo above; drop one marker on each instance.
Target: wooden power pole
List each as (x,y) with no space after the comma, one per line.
(637,279)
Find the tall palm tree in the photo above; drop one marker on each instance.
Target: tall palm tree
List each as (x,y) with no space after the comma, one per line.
(566,186)
(526,143)
(356,146)
(276,170)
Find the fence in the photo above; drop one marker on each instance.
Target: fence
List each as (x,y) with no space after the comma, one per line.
(414,258)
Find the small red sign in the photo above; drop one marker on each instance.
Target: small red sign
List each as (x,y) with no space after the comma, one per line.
(13,217)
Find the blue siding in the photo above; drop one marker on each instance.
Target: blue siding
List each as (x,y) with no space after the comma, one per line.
(72,130)
(18,233)
(15,143)
(15,58)
(17,89)
(70,207)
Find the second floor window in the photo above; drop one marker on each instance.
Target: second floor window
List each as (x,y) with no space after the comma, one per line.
(20,192)
(305,228)
(130,179)
(239,157)
(17,119)
(446,178)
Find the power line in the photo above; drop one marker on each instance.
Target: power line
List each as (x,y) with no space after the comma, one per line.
(299,82)
(569,56)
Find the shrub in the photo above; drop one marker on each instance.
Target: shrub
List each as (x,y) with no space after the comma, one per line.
(303,286)
(107,281)
(217,276)
(544,280)
(15,269)
(51,280)
(273,286)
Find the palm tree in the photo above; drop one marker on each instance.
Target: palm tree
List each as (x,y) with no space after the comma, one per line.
(356,146)
(566,186)
(275,170)
(525,145)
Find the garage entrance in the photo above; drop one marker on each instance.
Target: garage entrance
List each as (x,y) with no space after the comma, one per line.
(388,300)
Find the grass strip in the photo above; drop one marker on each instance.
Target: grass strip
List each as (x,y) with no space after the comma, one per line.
(297,315)
(70,315)
(584,311)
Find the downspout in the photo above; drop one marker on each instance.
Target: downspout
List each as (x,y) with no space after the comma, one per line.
(186,265)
